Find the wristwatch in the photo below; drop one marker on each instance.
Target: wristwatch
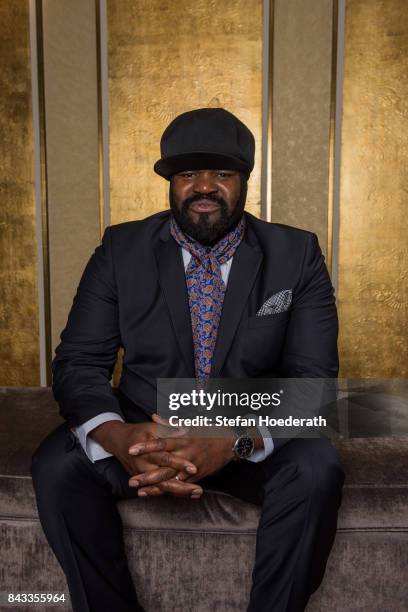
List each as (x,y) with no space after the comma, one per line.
(244,445)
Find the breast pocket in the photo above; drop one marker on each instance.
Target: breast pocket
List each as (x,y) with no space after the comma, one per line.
(279,320)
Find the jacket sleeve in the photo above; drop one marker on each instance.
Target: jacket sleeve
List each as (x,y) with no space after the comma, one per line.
(311,341)
(85,358)
(310,349)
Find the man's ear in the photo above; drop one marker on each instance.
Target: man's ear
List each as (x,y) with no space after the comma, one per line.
(244,185)
(171,198)
(243,178)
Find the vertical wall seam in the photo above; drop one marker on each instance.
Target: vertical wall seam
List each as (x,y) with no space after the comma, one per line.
(40,188)
(103,113)
(267,107)
(101,194)
(332,128)
(335,222)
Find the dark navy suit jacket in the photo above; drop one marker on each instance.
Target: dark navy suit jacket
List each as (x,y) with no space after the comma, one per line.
(133,294)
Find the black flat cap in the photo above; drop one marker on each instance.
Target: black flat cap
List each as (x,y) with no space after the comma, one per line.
(206,138)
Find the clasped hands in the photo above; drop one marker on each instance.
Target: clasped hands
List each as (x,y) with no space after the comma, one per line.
(182,462)
(164,459)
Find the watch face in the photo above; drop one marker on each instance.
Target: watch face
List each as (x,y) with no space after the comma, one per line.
(244,447)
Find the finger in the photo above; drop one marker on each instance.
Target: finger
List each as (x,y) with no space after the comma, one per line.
(182,476)
(169,430)
(174,487)
(157,476)
(165,422)
(181,489)
(186,478)
(152,477)
(165,459)
(150,492)
(160,420)
(153,446)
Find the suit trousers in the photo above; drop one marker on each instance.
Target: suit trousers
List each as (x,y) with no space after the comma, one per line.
(299,488)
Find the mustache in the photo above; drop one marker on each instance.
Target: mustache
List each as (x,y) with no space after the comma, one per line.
(211,197)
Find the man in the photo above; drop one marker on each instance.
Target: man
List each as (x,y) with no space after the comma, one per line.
(202,291)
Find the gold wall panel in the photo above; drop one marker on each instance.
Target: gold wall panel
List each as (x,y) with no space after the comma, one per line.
(71,117)
(373,251)
(165,58)
(19,317)
(302,78)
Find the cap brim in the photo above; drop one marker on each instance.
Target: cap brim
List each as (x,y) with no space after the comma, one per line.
(199,160)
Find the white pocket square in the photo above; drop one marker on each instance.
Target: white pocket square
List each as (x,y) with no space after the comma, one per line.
(279,302)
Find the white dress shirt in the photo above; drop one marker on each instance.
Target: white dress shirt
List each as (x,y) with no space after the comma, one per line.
(95,451)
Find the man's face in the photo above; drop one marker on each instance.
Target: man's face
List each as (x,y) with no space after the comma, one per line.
(207,204)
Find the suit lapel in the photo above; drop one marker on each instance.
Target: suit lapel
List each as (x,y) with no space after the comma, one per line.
(173,283)
(244,269)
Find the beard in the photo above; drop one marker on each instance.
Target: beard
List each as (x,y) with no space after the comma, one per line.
(205,231)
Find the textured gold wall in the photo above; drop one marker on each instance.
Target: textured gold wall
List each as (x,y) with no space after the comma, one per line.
(19,330)
(166,58)
(373,251)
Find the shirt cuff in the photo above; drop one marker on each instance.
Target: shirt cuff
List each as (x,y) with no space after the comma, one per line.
(92,448)
(262,453)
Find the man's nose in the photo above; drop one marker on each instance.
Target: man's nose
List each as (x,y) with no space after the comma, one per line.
(205,183)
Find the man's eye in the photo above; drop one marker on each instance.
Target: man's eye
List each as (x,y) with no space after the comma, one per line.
(187,174)
(224,174)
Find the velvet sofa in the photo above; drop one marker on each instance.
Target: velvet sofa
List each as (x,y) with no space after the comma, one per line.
(198,557)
